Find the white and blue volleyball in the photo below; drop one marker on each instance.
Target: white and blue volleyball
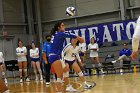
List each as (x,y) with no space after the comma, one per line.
(70,11)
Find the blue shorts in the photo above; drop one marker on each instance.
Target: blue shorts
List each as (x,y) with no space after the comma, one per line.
(69,62)
(53,58)
(35,59)
(81,54)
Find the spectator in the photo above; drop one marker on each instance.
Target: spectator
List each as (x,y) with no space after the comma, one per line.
(35,61)
(21,52)
(93,48)
(124,55)
(2,66)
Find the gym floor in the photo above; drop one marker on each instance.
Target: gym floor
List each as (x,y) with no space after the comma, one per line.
(115,83)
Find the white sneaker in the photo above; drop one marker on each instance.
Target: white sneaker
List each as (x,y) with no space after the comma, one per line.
(47,83)
(87,86)
(27,79)
(70,89)
(7,91)
(121,70)
(114,61)
(5,80)
(21,81)
(41,78)
(102,71)
(36,79)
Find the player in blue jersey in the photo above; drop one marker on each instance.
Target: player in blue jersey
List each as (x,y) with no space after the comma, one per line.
(56,49)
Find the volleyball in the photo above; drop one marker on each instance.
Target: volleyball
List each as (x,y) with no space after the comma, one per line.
(70,11)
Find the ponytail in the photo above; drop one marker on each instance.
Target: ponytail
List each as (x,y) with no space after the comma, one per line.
(55,28)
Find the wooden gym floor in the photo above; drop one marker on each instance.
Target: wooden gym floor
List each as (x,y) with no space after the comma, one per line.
(116,83)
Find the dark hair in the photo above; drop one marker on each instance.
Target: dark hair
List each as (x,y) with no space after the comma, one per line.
(77,44)
(55,28)
(48,35)
(94,40)
(125,44)
(33,43)
(19,40)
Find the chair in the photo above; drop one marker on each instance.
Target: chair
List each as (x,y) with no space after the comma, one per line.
(12,65)
(126,65)
(108,65)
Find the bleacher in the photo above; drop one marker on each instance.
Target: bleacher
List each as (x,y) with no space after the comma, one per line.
(109,48)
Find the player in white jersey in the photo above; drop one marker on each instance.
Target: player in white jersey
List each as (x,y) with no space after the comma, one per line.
(136,40)
(35,61)
(93,48)
(69,55)
(21,52)
(82,54)
(2,66)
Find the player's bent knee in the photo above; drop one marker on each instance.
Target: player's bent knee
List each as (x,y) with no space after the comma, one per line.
(66,74)
(20,70)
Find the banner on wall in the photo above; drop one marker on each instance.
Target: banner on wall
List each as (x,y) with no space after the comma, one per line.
(106,32)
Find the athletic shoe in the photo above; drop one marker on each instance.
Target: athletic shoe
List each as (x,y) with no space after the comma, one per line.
(70,89)
(102,71)
(41,78)
(27,79)
(121,70)
(47,83)
(114,61)
(21,80)
(87,86)
(5,80)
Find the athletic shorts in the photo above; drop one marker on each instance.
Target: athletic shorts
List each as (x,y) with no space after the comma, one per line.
(69,62)
(53,57)
(35,59)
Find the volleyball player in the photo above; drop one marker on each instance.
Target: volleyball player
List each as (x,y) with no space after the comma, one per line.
(2,66)
(135,40)
(69,55)
(21,52)
(56,49)
(82,54)
(3,87)
(35,61)
(93,48)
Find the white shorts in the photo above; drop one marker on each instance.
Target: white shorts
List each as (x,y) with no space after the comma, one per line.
(22,59)
(94,54)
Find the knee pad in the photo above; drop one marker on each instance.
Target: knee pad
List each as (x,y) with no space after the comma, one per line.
(80,74)
(20,70)
(3,73)
(66,74)
(25,70)
(59,80)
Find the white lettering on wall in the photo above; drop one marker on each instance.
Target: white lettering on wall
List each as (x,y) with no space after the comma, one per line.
(91,33)
(117,28)
(106,34)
